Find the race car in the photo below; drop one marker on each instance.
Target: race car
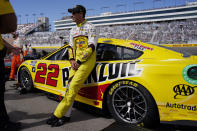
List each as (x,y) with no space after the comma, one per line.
(138,83)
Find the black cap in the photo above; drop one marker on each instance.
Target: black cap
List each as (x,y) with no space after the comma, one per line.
(77,9)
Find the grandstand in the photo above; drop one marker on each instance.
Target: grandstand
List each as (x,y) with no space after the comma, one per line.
(173,25)
(147,16)
(158,26)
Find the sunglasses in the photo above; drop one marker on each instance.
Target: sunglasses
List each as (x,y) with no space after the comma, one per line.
(76,13)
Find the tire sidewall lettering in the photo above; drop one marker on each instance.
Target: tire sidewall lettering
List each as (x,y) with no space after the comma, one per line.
(149,118)
(122,83)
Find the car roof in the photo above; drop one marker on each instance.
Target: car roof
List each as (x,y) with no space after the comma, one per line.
(150,50)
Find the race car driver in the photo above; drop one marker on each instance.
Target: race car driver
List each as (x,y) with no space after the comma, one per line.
(82,56)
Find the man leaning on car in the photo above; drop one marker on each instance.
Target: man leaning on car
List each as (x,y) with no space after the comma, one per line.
(82,56)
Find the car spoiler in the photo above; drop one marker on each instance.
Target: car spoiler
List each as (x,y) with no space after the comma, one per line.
(184,53)
(193,57)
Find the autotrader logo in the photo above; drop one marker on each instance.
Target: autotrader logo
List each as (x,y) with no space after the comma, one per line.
(183,90)
(181,106)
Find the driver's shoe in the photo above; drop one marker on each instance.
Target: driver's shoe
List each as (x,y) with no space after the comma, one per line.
(54,121)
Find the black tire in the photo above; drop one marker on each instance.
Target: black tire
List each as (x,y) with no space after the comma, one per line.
(131,104)
(25,79)
(54,96)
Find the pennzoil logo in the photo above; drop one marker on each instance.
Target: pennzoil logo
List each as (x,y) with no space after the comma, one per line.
(183,90)
(106,72)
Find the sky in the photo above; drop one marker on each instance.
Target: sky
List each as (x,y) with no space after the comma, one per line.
(30,10)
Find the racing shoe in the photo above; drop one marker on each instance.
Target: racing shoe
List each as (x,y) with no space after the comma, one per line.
(54,121)
(61,121)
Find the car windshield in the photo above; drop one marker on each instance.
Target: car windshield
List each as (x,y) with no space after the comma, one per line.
(51,51)
(59,55)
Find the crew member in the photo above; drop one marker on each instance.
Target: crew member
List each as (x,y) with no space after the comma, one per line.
(17,57)
(25,50)
(82,56)
(30,49)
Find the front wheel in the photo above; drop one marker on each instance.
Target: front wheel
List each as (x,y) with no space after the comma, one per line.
(131,104)
(25,79)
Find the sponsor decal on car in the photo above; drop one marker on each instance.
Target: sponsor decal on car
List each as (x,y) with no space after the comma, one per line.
(122,83)
(187,71)
(49,78)
(107,72)
(65,76)
(140,47)
(183,90)
(93,92)
(33,63)
(181,106)
(33,69)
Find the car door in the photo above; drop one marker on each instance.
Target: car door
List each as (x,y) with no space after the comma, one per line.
(116,62)
(52,72)
(111,66)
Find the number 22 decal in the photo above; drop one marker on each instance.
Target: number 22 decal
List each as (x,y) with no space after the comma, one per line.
(41,73)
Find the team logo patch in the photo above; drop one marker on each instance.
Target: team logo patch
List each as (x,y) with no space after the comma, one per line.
(81,41)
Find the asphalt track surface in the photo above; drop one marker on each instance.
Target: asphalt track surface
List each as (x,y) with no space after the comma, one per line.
(32,110)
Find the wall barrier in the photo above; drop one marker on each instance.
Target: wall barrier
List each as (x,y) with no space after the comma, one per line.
(179,45)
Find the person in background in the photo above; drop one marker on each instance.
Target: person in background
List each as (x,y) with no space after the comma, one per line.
(8,24)
(25,50)
(44,53)
(35,54)
(82,56)
(30,49)
(17,57)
